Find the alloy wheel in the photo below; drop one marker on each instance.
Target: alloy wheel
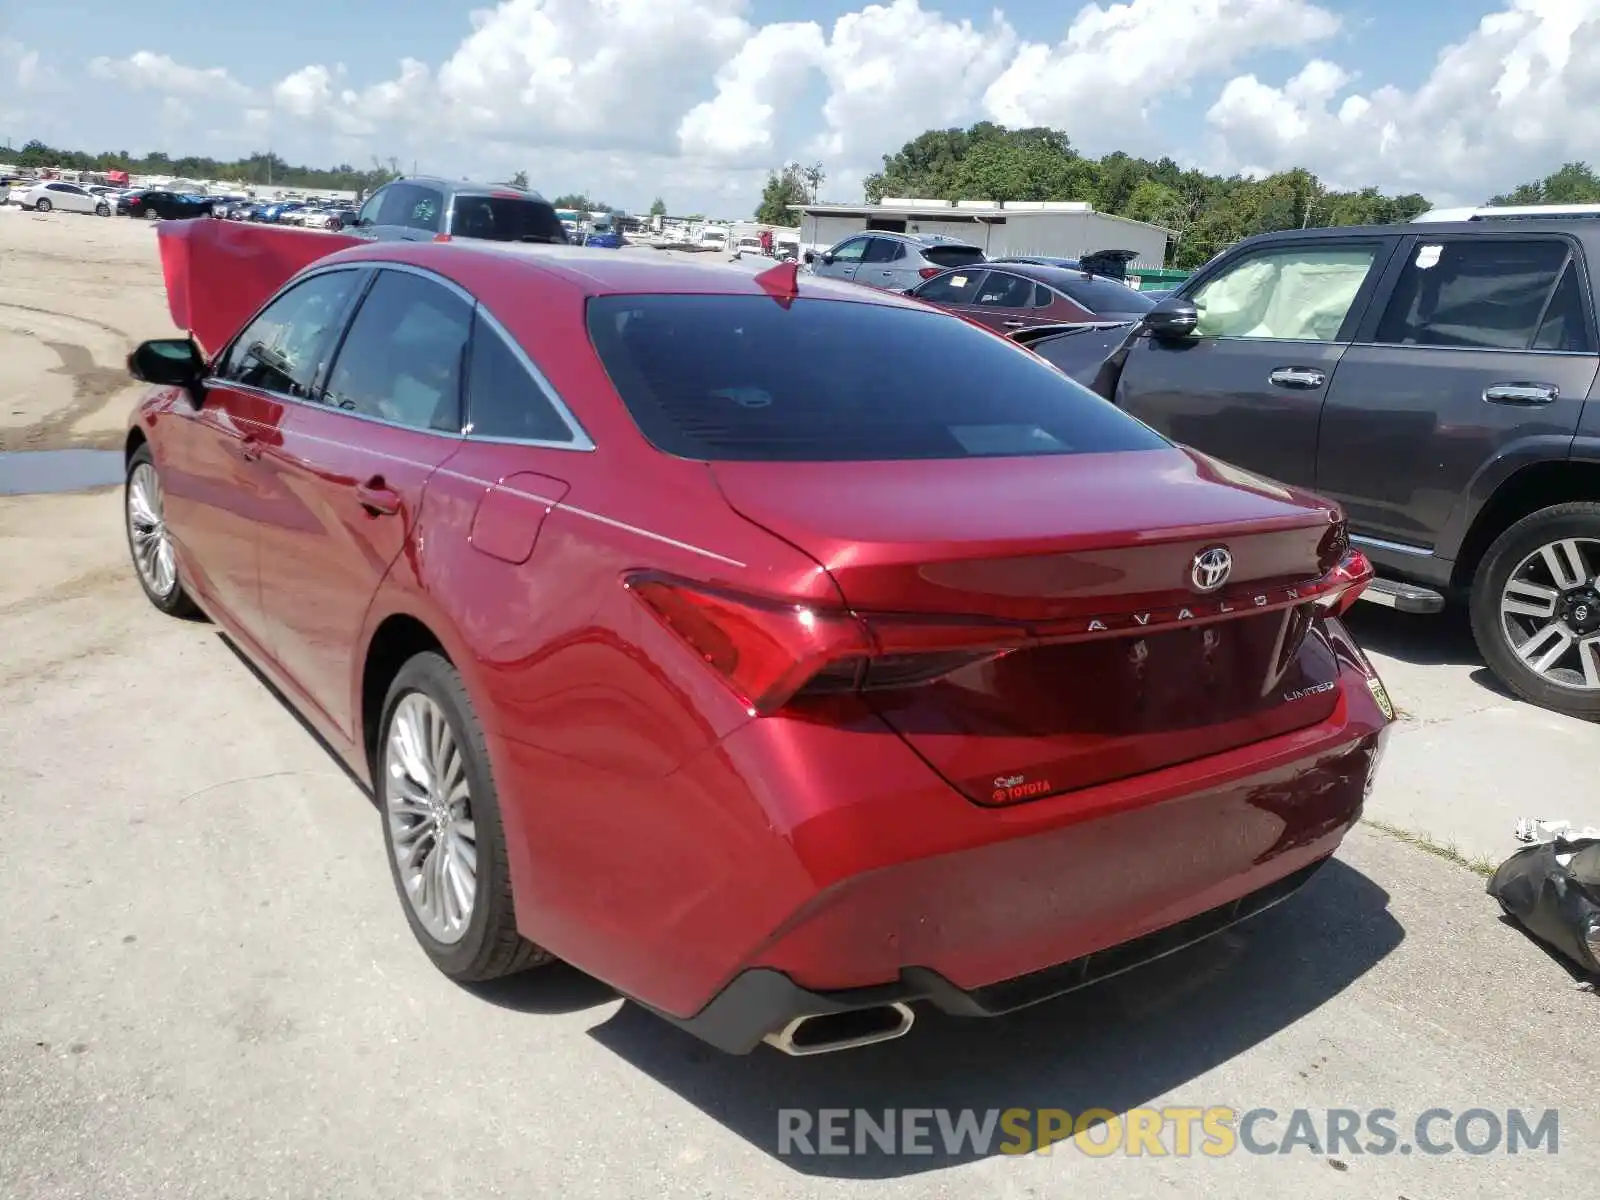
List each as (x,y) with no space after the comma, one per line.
(147,532)
(1550,613)
(428,807)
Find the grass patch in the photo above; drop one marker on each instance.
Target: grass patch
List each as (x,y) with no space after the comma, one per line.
(1450,852)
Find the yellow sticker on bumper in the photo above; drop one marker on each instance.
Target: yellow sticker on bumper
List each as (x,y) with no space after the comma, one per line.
(1381,695)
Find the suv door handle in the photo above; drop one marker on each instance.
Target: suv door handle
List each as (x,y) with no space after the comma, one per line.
(1303,378)
(1523,394)
(377,497)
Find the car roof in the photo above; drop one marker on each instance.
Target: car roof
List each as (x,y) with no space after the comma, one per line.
(464,186)
(1488,227)
(638,273)
(915,239)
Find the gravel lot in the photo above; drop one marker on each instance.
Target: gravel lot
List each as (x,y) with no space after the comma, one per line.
(210,990)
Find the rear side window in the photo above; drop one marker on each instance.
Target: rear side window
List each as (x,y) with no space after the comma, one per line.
(1102,295)
(742,378)
(402,359)
(953,287)
(504,399)
(952,256)
(1484,293)
(506,219)
(1004,290)
(1564,327)
(882,250)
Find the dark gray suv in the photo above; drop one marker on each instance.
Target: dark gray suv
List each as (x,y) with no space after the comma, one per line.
(420,209)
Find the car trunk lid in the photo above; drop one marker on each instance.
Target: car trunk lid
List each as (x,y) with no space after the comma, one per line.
(1087,580)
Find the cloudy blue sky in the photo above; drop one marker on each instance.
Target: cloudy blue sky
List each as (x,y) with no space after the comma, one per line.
(695,99)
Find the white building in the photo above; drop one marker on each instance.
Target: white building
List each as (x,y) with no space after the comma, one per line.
(1054,228)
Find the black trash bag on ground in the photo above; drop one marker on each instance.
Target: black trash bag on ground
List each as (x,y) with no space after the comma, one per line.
(1553,891)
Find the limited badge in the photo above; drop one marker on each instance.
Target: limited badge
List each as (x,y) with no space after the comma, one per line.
(1381,695)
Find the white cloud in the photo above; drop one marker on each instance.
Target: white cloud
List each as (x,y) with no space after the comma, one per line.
(1507,104)
(895,70)
(695,99)
(1102,81)
(768,72)
(145,70)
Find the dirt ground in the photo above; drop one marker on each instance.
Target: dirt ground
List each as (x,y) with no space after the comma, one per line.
(76,294)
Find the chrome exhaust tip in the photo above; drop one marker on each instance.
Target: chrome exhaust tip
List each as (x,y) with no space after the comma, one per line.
(825,1033)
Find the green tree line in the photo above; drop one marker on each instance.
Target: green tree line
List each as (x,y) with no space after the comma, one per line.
(253,169)
(1206,213)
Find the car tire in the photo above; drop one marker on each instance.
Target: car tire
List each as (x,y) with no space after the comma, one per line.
(485,944)
(41,205)
(1517,554)
(150,214)
(102,210)
(150,545)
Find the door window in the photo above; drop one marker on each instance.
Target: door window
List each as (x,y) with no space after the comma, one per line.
(883,250)
(286,346)
(1296,293)
(504,398)
(953,287)
(401,361)
(1002,290)
(373,206)
(850,251)
(1564,327)
(1485,293)
(410,205)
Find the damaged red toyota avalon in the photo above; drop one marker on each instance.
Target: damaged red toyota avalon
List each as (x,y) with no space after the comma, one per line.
(784,654)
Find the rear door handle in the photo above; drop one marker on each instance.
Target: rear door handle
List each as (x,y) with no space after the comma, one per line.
(1303,378)
(1523,394)
(377,497)
(1015,324)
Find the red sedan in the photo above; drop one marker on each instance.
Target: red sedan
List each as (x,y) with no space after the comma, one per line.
(783,653)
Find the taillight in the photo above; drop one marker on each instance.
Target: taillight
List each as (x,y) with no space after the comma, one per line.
(1345,584)
(441,237)
(771,653)
(930,272)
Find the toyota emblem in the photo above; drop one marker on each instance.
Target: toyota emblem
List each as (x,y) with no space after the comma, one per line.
(1210,569)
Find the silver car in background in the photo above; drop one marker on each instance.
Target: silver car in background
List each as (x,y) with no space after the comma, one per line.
(894,261)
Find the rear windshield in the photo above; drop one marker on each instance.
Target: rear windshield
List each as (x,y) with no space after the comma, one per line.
(1103,295)
(952,256)
(506,219)
(744,378)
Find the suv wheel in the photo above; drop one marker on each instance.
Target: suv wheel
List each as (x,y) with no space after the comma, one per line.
(1536,608)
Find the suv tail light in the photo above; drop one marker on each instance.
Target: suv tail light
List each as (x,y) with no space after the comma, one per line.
(929,272)
(771,653)
(441,237)
(1345,583)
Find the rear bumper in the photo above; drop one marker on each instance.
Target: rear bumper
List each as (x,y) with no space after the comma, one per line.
(762,1000)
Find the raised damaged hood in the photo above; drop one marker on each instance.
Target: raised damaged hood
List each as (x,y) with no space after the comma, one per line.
(218,273)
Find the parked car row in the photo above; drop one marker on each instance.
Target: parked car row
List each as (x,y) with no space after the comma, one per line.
(764,621)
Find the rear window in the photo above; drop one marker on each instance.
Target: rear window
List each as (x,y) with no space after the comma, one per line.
(952,256)
(506,219)
(1103,295)
(744,378)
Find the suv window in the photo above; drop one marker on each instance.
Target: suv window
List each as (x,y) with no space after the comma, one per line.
(1564,327)
(506,219)
(952,256)
(953,287)
(882,250)
(401,360)
(1004,290)
(373,206)
(850,251)
(1294,293)
(920,386)
(1487,293)
(285,347)
(504,398)
(411,205)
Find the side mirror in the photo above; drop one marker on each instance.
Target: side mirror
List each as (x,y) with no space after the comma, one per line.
(811,257)
(1172,319)
(827,260)
(171,362)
